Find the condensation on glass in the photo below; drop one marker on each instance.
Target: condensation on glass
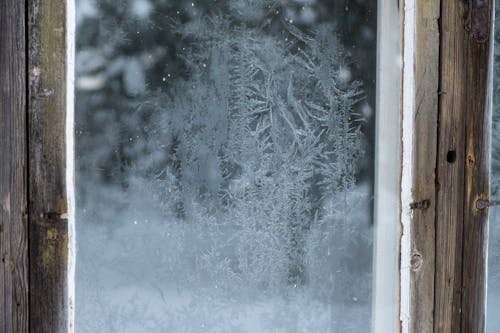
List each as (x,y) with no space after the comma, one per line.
(493,297)
(224,165)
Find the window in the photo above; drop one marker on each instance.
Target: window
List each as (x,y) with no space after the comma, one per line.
(247,166)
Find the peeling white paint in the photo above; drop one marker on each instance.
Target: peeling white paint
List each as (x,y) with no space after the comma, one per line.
(70,158)
(407,165)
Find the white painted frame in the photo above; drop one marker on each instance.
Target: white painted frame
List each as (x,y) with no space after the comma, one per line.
(388,157)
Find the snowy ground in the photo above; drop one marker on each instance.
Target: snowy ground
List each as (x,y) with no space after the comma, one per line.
(136,273)
(493,317)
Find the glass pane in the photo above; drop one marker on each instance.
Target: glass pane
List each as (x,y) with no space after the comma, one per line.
(225,165)
(492,319)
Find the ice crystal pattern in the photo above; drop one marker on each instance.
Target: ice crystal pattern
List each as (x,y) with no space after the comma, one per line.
(248,185)
(263,150)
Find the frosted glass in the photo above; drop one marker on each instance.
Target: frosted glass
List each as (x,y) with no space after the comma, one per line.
(224,165)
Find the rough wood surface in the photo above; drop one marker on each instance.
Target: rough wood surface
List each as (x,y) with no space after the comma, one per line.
(478,78)
(450,168)
(462,166)
(13,165)
(424,155)
(47,166)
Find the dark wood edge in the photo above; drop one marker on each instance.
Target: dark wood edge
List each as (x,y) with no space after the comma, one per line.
(462,165)
(13,169)
(479,72)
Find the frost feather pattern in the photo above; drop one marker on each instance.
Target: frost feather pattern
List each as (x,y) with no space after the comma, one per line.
(264,144)
(248,188)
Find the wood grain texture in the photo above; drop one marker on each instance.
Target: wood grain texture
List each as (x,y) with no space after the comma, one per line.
(450,168)
(462,169)
(424,155)
(13,166)
(47,166)
(478,80)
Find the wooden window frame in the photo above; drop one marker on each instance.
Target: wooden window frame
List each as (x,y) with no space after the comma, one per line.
(446,129)
(445,115)
(36,173)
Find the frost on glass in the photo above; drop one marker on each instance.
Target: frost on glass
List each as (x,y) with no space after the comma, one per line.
(221,169)
(493,321)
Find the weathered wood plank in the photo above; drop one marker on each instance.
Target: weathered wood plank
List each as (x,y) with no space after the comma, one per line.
(463,165)
(424,154)
(478,71)
(13,166)
(47,166)
(450,168)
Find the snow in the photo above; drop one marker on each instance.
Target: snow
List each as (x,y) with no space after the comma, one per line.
(141,9)
(138,273)
(133,77)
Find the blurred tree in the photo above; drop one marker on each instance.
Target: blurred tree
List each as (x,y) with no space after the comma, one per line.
(128,55)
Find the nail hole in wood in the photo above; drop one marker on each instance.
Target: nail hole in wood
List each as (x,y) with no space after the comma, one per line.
(424,204)
(451,157)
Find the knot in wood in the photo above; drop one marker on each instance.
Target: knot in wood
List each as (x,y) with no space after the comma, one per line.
(470,160)
(416,261)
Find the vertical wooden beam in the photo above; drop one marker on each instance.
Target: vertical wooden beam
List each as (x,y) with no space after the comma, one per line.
(48,215)
(450,167)
(478,79)
(13,166)
(424,154)
(463,165)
